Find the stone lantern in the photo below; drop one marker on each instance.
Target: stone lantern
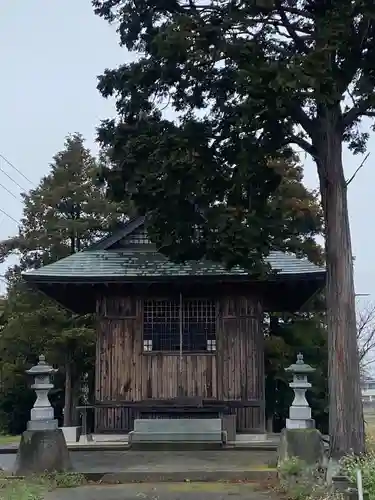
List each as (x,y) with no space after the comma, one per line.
(42,447)
(300,411)
(42,414)
(300,438)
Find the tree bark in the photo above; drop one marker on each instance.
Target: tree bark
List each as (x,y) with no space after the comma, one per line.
(68,394)
(346,422)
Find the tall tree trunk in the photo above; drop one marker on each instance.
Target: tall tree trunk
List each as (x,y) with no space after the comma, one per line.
(345,405)
(68,393)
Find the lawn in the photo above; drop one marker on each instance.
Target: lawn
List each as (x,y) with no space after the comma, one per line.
(7,439)
(37,487)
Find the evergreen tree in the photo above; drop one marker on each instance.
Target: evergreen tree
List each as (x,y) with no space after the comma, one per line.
(264,75)
(64,214)
(286,336)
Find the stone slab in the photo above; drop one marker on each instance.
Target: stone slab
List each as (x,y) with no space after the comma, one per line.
(104,446)
(300,424)
(42,425)
(178,425)
(40,452)
(71,434)
(179,433)
(166,437)
(173,446)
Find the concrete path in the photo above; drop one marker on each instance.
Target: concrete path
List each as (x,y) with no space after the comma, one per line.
(104,462)
(170,491)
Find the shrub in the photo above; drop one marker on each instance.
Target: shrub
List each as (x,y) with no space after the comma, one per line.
(366,463)
(298,481)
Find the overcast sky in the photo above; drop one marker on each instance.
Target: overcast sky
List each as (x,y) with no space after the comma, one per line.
(51,53)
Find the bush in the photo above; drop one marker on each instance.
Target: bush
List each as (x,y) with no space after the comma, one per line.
(366,463)
(298,481)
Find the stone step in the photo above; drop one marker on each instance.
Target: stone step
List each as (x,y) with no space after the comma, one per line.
(166,437)
(253,475)
(178,425)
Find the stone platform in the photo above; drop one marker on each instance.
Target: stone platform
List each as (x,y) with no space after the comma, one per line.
(149,466)
(120,442)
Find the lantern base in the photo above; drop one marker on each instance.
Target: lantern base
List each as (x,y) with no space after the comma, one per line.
(300,423)
(42,425)
(42,451)
(306,444)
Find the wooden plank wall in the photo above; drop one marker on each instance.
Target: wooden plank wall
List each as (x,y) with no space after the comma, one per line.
(241,358)
(125,373)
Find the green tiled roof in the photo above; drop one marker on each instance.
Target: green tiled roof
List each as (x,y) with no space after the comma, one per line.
(105,261)
(132,264)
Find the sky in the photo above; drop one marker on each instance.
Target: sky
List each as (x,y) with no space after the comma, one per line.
(51,55)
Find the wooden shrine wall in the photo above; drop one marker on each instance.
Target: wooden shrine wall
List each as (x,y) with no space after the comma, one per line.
(234,374)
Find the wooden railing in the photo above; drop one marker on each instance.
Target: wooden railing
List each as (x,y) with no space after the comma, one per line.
(177,408)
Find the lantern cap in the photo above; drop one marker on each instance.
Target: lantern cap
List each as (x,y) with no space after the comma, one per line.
(41,368)
(300,366)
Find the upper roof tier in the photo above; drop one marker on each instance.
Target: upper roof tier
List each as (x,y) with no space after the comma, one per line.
(128,256)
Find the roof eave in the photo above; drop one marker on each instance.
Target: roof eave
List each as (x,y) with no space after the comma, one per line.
(318,276)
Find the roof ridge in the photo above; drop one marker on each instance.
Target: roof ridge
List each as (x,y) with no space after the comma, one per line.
(117,235)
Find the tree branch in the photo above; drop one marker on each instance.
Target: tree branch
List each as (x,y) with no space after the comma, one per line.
(303,144)
(289,10)
(356,111)
(300,45)
(358,169)
(302,118)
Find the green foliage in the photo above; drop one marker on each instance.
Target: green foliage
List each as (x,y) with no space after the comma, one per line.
(366,463)
(35,488)
(261,66)
(247,81)
(287,335)
(226,211)
(21,490)
(298,481)
(64,214)
(63,480)
(292,467)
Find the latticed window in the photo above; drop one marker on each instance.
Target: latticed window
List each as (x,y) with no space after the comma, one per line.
(174,325)
(138,237)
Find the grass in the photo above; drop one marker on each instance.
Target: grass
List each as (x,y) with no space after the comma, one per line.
(21,490)
(370,430)
(8,439)
(35,488)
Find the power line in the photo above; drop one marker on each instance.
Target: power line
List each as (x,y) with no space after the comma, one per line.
(9,191)
(11,178)
(16,169)
(9,216)
(15,182)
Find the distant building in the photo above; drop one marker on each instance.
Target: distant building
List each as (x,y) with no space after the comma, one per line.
(368,390)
